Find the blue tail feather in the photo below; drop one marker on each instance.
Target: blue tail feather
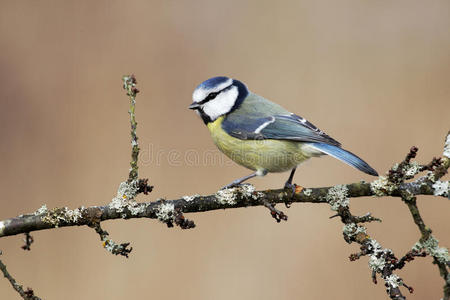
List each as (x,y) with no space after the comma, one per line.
(346,157)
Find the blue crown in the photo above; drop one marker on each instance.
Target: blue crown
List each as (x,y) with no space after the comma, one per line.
(212,82)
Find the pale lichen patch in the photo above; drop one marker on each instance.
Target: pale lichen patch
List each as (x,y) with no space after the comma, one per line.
(118,204)
(128,190)
(447,147)
(108,245)
(190,198)
(75,214)
(382,186)
(165,212)
(57,216)
(227,196)
(136,208)
(393,281)
(247,190)
(431,246)
(124,199)
(376,259)
(41,210)
(257,195)
(353,229)
(441,188)
(2,227)
(411,169)
(307,192)
(431,176)
(337,196)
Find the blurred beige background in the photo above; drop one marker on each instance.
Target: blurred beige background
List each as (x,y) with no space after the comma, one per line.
(372,74)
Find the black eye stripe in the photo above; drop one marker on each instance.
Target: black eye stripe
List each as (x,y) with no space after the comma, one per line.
(210,97)
(213,95)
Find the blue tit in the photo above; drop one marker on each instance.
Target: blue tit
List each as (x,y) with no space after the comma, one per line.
(261,135)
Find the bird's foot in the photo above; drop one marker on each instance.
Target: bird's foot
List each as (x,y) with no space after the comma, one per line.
(234,184)
(294,189)
(290,186)
(238,182)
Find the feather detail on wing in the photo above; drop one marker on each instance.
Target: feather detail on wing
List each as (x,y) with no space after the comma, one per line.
(277,127)
(346,157)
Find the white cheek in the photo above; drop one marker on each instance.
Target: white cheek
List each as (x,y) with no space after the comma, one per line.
(222,104)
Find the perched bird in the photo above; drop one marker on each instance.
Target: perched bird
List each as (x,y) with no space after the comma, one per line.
(261,135)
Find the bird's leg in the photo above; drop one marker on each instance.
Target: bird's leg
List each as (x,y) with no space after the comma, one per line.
(289,185)
(239,181)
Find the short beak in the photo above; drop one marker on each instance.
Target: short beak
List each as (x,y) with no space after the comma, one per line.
(194,105)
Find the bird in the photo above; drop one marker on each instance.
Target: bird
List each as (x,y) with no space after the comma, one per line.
(261,135)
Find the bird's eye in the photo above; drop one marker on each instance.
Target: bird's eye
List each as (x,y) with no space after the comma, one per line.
(212,95)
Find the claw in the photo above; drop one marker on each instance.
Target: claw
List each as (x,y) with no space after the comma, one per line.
(293,188)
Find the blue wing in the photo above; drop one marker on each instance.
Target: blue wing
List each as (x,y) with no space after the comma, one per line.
(294,128)
(277,127)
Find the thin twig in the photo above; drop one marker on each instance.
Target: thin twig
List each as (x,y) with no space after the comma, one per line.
(27,294)
(128,190)
(278,215)
(28,241)
(427,243)
(110,245)
(129,84)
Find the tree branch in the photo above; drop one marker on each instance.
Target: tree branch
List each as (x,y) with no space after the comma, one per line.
(382,261)
(242,196)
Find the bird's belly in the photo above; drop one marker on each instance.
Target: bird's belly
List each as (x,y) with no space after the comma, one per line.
(260,155)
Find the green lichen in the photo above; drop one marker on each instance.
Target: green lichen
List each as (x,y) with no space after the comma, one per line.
(431,246)
(125,199)
(58,216)
(352,229)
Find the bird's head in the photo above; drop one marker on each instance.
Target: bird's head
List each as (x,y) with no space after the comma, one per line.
(217,96)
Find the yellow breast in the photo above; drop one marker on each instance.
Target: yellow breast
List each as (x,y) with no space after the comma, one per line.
(258,155)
